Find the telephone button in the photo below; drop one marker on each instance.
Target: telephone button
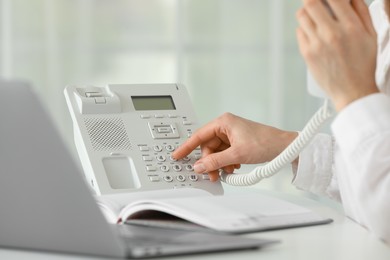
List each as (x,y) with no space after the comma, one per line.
(154,128)
(168,178)
(193,177)
(161,158)
(172,116)
(189,167)
(164,168)
(180,178)
(144,148)
(187,122)
(100,100)
(154,178)
(93,94)
(177,167)
(186,159)
(145,116)
(157,148)
(159,116)
(170,148)
(147,158)
(172,159)
(205,176)
(164,130)
(151,168)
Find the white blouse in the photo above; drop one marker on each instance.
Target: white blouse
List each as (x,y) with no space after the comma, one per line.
(353,166)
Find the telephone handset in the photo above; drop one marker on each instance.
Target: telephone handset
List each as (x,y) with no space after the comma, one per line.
(125,134)
(292,151)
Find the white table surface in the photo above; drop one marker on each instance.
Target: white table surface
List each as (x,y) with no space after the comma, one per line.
(342,239)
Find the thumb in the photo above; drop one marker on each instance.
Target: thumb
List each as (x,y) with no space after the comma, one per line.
(215,161)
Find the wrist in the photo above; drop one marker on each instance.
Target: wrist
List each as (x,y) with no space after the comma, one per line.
(343,101)
(278,142)
(288,137)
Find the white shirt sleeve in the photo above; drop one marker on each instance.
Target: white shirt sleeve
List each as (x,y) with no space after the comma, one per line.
(362,131)
(315,168)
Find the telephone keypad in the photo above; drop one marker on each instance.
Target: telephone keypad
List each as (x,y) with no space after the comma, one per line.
(161,162)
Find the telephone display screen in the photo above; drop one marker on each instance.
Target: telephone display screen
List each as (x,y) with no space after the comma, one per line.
(153,103)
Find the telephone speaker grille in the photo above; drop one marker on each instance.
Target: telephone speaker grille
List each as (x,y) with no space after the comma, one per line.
(107,134)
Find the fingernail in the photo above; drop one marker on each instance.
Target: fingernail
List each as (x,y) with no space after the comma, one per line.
(199,168)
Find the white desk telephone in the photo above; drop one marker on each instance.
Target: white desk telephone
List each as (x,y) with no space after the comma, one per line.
(125,134)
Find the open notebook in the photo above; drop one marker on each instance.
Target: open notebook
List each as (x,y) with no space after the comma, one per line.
(198,209)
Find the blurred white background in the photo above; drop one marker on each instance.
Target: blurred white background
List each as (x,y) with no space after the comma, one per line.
(236,56)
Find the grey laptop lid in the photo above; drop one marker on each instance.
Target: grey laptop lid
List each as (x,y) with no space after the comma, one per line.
(45,204)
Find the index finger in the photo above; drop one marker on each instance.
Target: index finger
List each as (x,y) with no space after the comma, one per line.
(201,136)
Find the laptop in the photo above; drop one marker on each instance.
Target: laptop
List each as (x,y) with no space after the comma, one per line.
(46,205)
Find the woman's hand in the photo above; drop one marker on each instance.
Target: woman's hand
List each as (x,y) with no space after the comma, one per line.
(229,141)
(339,47)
